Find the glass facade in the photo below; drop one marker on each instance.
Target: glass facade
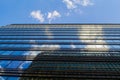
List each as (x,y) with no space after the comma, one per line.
(59,51)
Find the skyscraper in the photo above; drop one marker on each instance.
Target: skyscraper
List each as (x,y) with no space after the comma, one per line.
(60,51)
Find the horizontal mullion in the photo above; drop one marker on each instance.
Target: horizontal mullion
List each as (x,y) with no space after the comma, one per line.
(59,38)
(62,58)
(63,43)
(62,74)
(82,71)
(67,31)
(40,67)
(37,34)
(18,70)
(81,53)
(58,30)
(17,57)
(52,49)
(65,76)
(76,52)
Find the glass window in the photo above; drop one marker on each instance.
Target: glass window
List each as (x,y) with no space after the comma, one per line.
(3,78)
(25,64)
(99,46)
(26,53)
(14,64)
(116,46)
(17,53)
(13,78)
(35,53)
(7,52)
(3,45)
(3,63)
(1,52)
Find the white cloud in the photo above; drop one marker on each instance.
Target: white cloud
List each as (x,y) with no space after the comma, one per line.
(86,3)
(70,4)
(53,15)
(68,14)
(37,15)
(73,4)
(78,11)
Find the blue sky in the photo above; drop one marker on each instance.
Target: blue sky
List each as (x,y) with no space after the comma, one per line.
(59,11)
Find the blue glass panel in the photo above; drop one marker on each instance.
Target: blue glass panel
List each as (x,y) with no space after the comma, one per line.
(27,46)
(34,53)
(13,78)
(18,45)
(1,52)
(40,36)
(25,64)
(116,46)
(17,52)
(26,53)
(7,52)
(65,46)
(14,64)
(3,64)
(3,45)
(109,41)
(80,46)
(3,78)
(110,46)
(10,45)
(117,41)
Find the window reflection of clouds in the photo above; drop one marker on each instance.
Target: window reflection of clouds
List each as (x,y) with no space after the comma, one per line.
(48,33)
(89,31)
(2,78)
(51,35)
(25,64)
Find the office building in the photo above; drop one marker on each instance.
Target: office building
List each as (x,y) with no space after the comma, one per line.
(60,51)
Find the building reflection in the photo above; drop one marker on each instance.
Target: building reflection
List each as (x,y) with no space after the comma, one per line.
(63,51)
(86,60)
(93,34)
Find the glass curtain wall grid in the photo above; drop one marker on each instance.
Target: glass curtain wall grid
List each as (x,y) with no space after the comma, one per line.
(60,51)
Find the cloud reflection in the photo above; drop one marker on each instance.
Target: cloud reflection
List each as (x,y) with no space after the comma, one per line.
(92,32)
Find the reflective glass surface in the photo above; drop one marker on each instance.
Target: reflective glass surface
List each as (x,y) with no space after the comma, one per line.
(32,50)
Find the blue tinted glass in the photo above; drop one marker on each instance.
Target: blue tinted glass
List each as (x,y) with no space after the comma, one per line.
(28,45)
(13,78)
(108,41)
(3,78)
(14,64)
(80,46)
(110,46)
(17,52)
(25,64)
(35,52)
(18,45)
(7,52)
(26,53)
(116,46)
(117,41)
(3,64)
(10,45)
(1,52)
(40,36)
(3,45)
